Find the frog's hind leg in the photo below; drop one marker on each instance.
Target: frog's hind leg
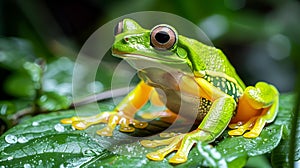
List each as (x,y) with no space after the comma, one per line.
(257,106)
(211,127)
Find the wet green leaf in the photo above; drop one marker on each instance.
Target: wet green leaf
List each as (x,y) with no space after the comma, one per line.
(52,101)
(238,161)
(266,142)
(279,155)
(42,140)
(212,157)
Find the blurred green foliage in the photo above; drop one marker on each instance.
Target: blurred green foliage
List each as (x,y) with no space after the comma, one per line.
(260,38)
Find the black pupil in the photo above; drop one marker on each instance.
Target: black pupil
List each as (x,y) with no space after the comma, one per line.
(162,37)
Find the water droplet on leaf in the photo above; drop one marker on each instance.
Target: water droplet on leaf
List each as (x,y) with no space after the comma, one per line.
(59,128)
(35,123)
(27,165)
(11,139)
(40,162)
(22,139)
(90,152)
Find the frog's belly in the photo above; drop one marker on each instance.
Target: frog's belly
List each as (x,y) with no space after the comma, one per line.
(187,106)
(170,88)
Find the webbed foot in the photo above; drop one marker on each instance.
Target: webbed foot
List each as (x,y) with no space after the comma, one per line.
(112,119)
(172,143)
(182,143)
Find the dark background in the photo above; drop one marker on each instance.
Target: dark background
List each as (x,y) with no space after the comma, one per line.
(260,38)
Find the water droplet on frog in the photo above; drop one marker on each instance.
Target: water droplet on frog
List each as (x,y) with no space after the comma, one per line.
(2,166)
(35,123)
(59,128)
(22,139)
(10,158)
(27,165)
(11,139)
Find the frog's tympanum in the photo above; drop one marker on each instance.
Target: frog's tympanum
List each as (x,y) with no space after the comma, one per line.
(198,74)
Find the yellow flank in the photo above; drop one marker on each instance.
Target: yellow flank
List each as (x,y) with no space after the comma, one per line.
(209,91)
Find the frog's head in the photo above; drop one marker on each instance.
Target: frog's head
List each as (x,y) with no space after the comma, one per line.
(161,45)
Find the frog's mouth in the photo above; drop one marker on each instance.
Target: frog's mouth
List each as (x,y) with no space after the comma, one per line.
(140,62)
(165,59)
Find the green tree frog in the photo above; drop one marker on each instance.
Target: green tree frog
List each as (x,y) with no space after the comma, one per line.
(209,79)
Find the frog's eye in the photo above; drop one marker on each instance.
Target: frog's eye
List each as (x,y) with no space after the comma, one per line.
(163,37)
(118,28)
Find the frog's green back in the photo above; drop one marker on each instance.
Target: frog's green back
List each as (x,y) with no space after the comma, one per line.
(204,57)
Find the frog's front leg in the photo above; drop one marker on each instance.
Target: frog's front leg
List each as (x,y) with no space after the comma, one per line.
(210,128)
(122,115)
(257,106)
